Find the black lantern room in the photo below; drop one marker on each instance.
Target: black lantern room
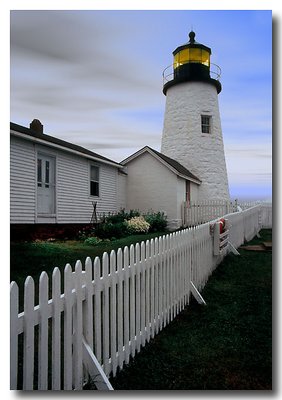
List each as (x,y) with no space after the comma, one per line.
(191,62)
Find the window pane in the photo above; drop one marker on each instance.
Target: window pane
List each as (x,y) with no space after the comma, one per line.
(94,173)
(176,61)
(47,171)
(183,56)
(205,58)
(39,170)
(195,55)
(94,188)
(206,124)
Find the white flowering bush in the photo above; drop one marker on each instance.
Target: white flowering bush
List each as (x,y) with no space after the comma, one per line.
(138,225)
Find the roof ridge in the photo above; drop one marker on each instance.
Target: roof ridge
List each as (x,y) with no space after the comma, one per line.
(58,141)
(175,163)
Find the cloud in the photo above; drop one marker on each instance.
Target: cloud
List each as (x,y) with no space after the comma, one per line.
(94,78)
(67,65)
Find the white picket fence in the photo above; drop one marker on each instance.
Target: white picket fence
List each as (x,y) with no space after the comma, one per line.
(111,308)
(195,213)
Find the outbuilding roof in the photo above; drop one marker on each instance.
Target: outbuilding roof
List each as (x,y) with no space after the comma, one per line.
(178,168)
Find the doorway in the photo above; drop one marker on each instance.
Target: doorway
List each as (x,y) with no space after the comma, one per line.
(45,185)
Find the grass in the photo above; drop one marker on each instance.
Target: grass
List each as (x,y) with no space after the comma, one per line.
(31,258)
(225,345)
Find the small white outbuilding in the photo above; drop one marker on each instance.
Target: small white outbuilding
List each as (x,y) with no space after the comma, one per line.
(156,182)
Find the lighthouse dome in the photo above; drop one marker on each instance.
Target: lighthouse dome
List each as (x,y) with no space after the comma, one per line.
(191,62)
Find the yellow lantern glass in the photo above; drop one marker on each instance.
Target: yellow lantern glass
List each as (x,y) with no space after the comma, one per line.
(191,55)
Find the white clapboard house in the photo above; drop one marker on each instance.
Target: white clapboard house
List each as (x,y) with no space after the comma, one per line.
(56,182)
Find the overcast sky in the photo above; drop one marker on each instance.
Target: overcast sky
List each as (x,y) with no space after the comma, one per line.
(94,78)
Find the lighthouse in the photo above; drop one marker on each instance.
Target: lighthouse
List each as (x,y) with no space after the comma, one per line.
(192,133)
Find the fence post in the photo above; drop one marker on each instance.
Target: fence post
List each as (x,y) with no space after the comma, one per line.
(197,294)
(94,368)
(216,239)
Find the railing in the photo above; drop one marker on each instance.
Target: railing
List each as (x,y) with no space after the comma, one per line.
(168,73)
(111,308)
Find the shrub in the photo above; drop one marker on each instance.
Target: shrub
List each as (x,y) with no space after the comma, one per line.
(93,240)
(108,230)
(120,217)
(127,223)
(157,221)
(138,225)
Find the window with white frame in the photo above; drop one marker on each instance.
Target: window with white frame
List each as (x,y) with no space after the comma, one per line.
(94,180)
(206,123)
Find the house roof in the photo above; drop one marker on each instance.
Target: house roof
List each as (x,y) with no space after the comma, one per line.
(55,142)
(174,165)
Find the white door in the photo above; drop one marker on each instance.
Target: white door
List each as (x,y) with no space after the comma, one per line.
(45,185)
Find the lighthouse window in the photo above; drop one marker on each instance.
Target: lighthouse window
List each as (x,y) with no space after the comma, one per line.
(206,124)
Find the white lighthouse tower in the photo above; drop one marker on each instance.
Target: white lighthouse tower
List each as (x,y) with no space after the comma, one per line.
(192,132)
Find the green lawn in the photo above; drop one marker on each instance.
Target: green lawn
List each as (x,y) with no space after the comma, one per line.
(31,258)
(225,345)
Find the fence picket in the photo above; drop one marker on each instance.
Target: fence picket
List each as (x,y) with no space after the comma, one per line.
(43,332)
(147,293)
(88,303)
(138,299)
(113,307)
(97,310)
(120,312)
(28,353)
(152,291)
(77,340)
(156,285)
(56,330)
(142,294)
(14,311)
(106,314)
(68,327)
(126,304)
(132,292)
(177,266)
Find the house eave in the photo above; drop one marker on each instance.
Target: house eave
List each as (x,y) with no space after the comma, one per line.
(63,148)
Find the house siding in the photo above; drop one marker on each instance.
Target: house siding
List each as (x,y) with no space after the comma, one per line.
(72,191)
(22,181)
(152,187)
(181,197)
(121,191)
(73,203)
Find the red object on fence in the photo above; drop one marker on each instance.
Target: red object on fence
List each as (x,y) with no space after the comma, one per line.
(221,225)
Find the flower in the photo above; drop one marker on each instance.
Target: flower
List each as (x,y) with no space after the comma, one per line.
(138,225)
